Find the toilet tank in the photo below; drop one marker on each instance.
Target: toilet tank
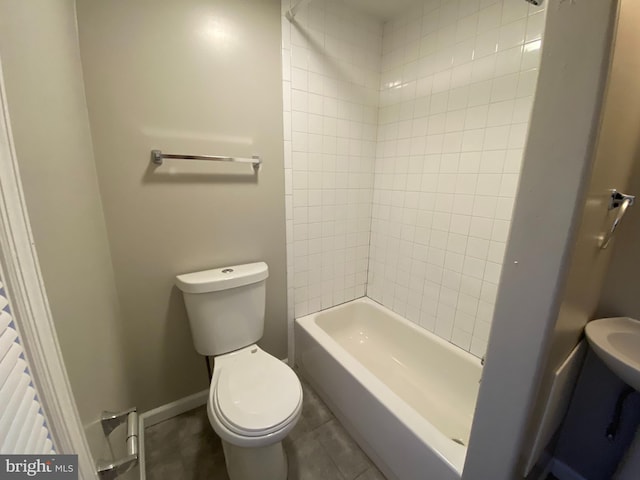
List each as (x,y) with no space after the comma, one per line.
(225,306)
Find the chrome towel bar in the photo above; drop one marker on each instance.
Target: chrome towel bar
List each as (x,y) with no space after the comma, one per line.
(157,157)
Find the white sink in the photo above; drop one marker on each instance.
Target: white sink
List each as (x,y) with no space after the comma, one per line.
(617,342)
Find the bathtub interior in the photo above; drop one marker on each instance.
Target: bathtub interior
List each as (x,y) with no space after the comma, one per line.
(438,380)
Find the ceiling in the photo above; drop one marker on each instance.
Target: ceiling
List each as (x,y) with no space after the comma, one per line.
(382,9)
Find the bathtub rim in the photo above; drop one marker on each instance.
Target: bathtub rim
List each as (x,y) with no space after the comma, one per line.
(451,453)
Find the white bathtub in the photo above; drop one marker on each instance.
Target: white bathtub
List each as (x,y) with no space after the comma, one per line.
(403,393)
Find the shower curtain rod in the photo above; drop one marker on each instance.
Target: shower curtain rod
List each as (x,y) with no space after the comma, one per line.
(291,13)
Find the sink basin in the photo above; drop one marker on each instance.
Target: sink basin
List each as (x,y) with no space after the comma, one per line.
(617,342)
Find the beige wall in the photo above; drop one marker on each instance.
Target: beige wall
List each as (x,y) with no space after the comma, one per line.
(551,240)
(615,157)
(198,77)
(620,289)
(616,153)
(41,63)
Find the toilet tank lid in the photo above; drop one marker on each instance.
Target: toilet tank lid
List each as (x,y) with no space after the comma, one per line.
(222,278)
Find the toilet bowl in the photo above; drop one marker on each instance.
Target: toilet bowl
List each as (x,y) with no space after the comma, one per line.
(255,400)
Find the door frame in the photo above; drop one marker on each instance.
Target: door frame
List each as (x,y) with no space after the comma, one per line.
(20,270)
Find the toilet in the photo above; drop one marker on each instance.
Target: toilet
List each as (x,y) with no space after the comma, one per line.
(254,398)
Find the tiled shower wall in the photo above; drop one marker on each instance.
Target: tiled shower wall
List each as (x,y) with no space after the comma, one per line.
(331,69)
(450,114)
(457,87)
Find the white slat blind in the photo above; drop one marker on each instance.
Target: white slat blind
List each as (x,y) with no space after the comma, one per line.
(23,428)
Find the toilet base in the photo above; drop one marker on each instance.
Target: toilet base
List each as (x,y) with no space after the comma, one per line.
(254,463)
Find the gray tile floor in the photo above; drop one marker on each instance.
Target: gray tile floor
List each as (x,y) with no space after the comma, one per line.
(318,448)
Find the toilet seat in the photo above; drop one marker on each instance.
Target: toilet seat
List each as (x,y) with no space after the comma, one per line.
(253,395)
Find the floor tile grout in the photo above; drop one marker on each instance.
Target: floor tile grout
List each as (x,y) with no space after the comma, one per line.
(318,448)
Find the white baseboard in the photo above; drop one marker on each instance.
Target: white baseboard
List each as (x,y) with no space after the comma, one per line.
(173,409)
(162,413)
(563,471)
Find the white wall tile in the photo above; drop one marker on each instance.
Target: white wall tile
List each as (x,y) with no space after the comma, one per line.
(404,150)
(531,55)
(334,71)
(535,27)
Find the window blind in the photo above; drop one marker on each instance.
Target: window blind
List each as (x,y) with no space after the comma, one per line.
(23,428)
